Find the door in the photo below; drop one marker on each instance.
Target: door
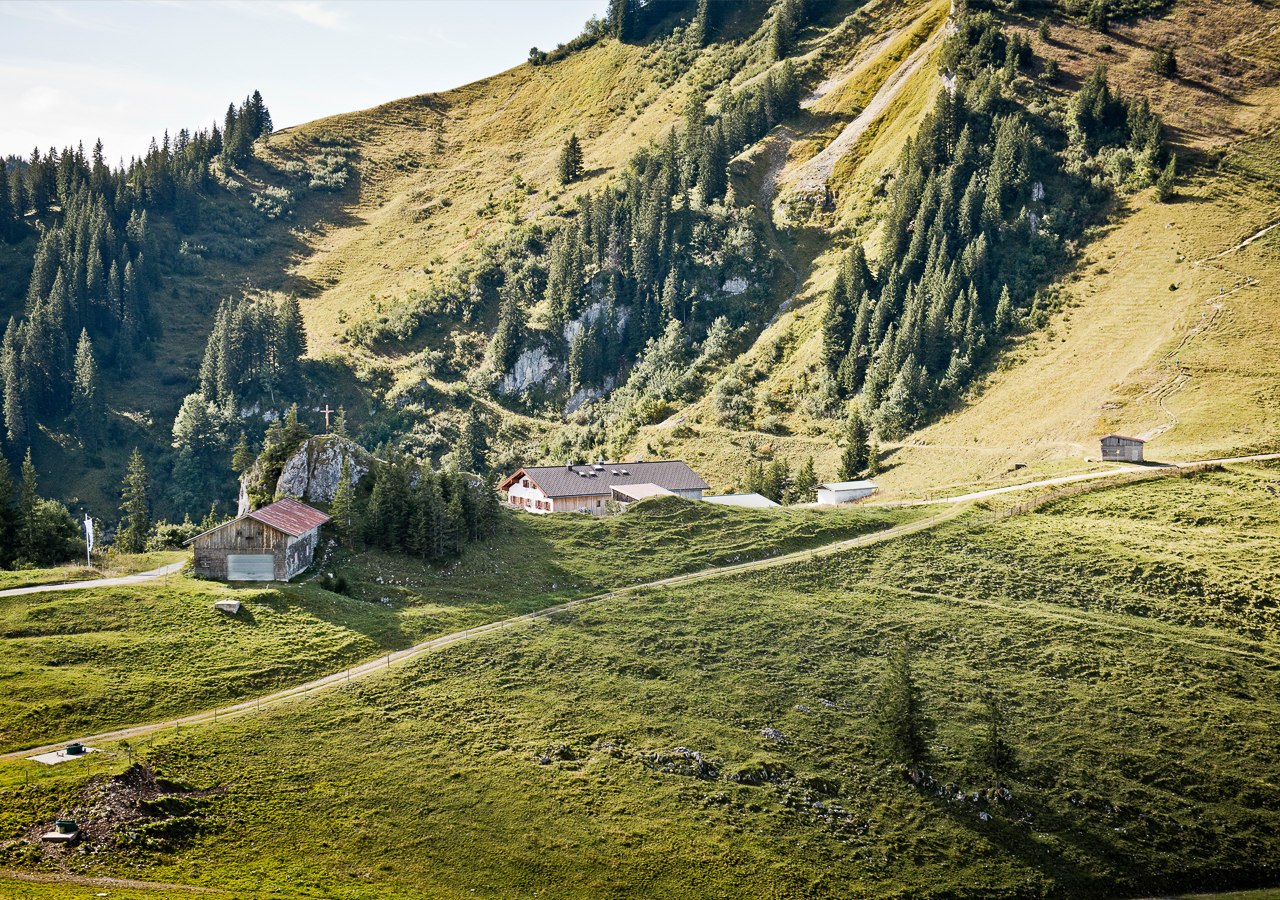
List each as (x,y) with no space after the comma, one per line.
(251,567)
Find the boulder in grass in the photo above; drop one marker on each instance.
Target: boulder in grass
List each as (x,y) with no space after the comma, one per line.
(230,607)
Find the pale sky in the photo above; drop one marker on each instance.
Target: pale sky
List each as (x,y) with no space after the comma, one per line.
(125,70)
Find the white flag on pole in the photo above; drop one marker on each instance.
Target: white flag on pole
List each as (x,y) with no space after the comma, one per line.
(88,533)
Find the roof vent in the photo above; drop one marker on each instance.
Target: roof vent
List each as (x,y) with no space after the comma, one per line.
(625,472)
(599,467)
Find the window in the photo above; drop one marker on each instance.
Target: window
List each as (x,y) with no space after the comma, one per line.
(524,482)
(597,504)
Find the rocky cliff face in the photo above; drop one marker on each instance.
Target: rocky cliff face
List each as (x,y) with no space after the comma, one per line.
(314,470)
(312,473)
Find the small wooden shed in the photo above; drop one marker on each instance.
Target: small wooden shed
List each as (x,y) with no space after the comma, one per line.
(1118,448)
(273,543)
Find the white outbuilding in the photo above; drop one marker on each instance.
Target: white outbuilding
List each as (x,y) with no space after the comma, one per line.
(845,491)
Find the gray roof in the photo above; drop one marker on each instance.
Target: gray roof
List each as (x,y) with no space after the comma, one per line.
(597,479)
(849,486)
(749,501)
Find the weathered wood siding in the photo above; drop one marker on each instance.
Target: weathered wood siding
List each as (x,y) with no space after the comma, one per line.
(247,536)
(1115,450)
(591,504)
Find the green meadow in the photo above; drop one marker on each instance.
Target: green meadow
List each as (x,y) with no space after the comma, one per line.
(720,740)
(80,661)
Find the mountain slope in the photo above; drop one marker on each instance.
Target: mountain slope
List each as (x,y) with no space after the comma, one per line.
(401,228)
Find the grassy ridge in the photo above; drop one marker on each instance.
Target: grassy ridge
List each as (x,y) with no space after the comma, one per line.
(547,758)
(80,661)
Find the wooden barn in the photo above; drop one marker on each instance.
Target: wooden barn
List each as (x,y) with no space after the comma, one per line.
(1118,448)
(273,543)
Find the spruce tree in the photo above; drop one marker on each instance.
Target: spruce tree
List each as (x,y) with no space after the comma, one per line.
(700,28)
(471,449)
(14,377)
(8,516)
(806,482)
(570,166)
(135,508)
(85,401)
(856,455)
(1164,61)
(28,511)
(1165,183)
(1004,312)
(340,422)
(1099,18)
(292,340)
(510,333)
(242,457)
(343,508)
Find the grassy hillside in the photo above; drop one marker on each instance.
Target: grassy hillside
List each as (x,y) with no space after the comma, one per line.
(364,214)
(1165,330)
(721,738)
(146,652)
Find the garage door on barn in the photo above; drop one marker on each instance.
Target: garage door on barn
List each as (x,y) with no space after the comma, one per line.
(251,567)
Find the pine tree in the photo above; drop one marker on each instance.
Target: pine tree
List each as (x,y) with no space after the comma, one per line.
(700,28)
(1099,19)
(856,455)
(570,166)
(28,511)
(343,508)
(1164,61)
(471,449)
(1004,312)
(873,458)
(242,457)
(8,516)
(505,347)
(14,377)
(340,422)
(85,401)
(806,482)
(1165,183)
(135,508)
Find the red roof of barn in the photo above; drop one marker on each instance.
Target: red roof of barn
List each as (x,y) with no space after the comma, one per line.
(289,516)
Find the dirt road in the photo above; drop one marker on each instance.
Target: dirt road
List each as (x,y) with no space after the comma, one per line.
(139,578)
(956,506)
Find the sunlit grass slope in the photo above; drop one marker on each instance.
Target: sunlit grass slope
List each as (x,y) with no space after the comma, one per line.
(1160,336)
(81,661)
(1138,679)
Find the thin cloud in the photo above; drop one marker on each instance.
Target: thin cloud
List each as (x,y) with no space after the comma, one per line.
(313,13)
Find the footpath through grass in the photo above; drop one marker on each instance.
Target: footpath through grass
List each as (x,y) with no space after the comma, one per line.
(718,739)
(81,661)
(110,567)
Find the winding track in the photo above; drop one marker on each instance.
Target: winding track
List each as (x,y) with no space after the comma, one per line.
(956,506)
